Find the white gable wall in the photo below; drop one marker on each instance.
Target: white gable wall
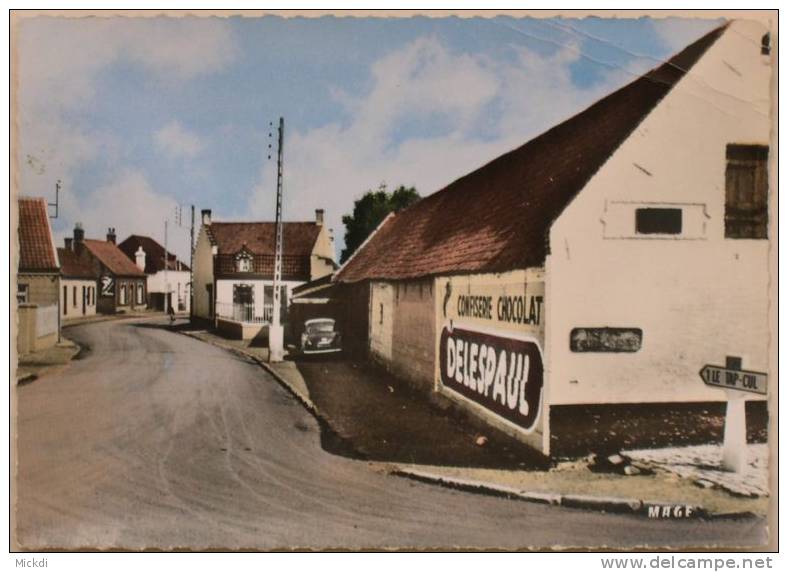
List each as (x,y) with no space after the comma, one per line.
(203,274)
(697,298)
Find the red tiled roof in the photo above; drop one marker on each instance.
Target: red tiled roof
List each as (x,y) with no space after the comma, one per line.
(497,218)
(36,248)
(73,266)
(111,256)
(260,237)
(296,267)
(154,254)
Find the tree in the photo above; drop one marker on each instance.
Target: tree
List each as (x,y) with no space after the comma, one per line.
(370,210)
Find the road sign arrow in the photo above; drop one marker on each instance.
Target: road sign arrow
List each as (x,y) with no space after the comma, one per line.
(737,379)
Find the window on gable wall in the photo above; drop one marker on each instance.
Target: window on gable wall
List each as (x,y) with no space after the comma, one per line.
(766,44)
(746,191)
(658,221)
(22,293)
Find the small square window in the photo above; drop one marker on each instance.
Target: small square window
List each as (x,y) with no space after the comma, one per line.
(22,292)
(658,221)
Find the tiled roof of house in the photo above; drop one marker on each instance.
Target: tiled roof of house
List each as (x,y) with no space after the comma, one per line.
(111,256)
(154,254)
(73,266)
(36,247)
(497,218)
(260,237)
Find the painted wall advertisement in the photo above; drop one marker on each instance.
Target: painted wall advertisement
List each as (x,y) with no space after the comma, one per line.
(107,285)
(489,347)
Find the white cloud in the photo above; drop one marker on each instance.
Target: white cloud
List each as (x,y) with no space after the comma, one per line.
(131,205)
(59,58)
(331,166)
(177,141)
(59,62)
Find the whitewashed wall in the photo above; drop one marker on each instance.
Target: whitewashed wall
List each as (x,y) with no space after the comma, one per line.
(203,274)
(179,283)
(698,297)
(381,320)
(224,290)
(68,309)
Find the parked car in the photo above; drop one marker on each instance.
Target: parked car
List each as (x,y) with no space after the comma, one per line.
(320,336)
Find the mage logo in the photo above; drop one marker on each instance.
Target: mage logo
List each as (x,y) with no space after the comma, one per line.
(504,375)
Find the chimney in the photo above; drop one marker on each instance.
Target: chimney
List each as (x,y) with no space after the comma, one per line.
(319,216)
(69,243)
(79,236)
(111,235)
(206,216)
(139,257)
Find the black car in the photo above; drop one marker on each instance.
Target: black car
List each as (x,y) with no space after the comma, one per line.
(320,337)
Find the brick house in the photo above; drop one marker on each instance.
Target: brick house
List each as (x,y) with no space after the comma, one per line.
(37,278)
(572,289)
(121,285)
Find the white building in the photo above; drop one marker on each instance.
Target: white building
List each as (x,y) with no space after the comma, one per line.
(149,256)
(603,263)
(79,280)
(234,268)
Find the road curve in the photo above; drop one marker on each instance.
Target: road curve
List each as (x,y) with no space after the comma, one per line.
(157,440)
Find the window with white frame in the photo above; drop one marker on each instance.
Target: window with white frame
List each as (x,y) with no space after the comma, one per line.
(243,262)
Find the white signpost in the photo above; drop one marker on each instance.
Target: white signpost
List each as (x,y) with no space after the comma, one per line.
(736,382)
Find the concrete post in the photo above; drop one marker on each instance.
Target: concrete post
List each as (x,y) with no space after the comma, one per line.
(734,448)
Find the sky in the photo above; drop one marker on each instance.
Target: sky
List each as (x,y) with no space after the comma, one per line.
(137,116)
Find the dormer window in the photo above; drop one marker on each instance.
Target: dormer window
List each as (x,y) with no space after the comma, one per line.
(243,262)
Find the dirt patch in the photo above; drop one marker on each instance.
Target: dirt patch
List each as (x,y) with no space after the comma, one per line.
(383,419)
(577,429)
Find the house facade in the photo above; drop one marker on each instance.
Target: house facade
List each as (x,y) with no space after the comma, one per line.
(37,278)
(150,256)
(570,291)
(78,284)
(120,285)
(234,269)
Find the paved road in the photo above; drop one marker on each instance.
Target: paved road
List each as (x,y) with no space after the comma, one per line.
(154,439)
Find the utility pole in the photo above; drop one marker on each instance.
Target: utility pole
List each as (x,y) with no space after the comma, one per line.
(191,270)
(57,206)
(166,280)
(276,330)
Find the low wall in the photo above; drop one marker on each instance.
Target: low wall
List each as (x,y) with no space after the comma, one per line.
(36,327)
(241,330)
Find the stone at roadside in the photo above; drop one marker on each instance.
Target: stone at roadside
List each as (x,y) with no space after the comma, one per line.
(616,460)
(631,470)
